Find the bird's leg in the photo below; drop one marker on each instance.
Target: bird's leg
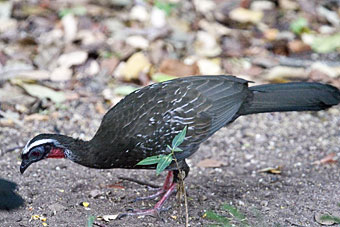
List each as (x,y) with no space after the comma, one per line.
(157,208)
(167,184)
(168,188)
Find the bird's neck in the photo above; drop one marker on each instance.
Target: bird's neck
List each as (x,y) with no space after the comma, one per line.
(76,150)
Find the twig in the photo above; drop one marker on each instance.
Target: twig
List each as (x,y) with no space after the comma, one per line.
(182,189)
(139,182)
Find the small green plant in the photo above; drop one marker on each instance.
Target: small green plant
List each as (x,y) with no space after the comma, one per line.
(90,221)
(167,7)
(299,26)
(236,216)
(163,160)
(331,218)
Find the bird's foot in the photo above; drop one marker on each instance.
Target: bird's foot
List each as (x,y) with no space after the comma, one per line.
(158,193)
(167,184)
(158,207)
(155,212)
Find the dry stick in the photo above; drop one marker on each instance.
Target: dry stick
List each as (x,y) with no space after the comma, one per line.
(182,185)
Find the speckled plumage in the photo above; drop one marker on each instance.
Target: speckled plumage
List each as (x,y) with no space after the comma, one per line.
(145,122)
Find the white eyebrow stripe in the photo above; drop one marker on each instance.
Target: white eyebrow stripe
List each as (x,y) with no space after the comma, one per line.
(37,143)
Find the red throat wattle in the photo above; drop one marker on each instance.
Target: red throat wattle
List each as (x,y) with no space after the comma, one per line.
(56,153)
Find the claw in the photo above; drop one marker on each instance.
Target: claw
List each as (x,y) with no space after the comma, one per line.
(167,184)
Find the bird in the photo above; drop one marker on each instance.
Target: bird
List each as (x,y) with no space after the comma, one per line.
(145,122)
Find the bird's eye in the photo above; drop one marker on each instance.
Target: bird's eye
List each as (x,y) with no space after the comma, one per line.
(35,154)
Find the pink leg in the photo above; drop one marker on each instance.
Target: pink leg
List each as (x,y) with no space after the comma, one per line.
(157,208)
(167,184)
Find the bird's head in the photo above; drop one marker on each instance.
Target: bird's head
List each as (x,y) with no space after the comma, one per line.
(40,147)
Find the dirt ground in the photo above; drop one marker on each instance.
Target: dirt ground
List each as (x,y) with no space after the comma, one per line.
(56,188)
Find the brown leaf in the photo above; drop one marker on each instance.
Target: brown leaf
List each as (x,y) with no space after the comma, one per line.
(109,64)
(210,163)
(297,46)
(117,185)
(36,117)
(100,108)
(178,68)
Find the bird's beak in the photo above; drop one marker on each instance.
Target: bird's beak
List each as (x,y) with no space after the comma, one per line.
(24,165)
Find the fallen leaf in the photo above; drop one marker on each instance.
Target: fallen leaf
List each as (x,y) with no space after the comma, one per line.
(34,75)
(322,218)
(43,92)
(276,170)
(206,45)
(326,44)
(209,66)
(137,42)
(139,13)
(177,68)
(73,58)
(109,64)
(36,117)
(124,90)
(297,46)
(243,15)
(118,186)
(70,24)
(135,65)
(160,77)
(100,108)
(271,34)
(210,163)
(333,72)
(285,74)
(330,158)
(61,73)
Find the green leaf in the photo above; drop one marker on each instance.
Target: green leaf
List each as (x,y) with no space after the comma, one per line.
(326,44)
(78,11)
(165,6)
(90,220)
(164,162)
(299,26)
(42,92)
(233,211)
(179,138)
(124,90)
(150,160)
(332,218)
(177,149)
(218,218)
(160,77)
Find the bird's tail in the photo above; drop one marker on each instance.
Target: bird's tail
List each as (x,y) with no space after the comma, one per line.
(298,96)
